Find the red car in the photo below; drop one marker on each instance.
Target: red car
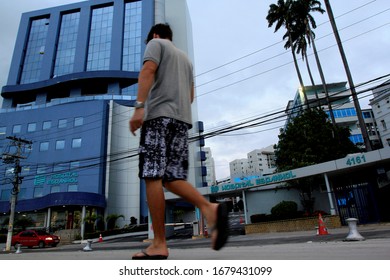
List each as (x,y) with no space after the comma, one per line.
(31,238)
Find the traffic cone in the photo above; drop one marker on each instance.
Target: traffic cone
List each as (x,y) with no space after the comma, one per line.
(241,220)
(322,230)
(206,233)
(100,238)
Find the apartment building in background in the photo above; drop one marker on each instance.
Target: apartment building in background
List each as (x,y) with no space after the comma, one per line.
(343,108)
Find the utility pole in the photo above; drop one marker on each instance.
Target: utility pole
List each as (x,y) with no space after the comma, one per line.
(15,158)
(362,125)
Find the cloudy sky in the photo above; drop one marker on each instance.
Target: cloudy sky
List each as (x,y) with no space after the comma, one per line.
(243,71)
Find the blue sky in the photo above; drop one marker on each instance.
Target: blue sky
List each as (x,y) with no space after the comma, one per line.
(253,74)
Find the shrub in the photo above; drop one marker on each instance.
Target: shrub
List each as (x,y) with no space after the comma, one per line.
(3,238)
(285,210)
(258,218)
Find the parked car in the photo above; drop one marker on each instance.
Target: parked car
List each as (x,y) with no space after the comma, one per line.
(31,238)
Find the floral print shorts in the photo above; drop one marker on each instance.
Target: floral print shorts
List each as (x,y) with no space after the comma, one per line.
(163,151)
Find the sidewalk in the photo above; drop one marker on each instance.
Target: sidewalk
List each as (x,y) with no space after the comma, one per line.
(302,245)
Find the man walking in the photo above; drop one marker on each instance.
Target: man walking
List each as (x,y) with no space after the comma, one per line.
(163,110)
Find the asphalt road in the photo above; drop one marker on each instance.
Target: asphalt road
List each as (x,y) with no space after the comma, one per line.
(306,245)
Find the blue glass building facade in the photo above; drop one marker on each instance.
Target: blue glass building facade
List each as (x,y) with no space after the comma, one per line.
(70,65)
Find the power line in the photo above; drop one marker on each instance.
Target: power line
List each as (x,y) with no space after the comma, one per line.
(277,43)
(270,118)
(276,67)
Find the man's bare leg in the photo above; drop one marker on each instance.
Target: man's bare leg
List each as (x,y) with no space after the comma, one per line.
(185,190)
(156,204)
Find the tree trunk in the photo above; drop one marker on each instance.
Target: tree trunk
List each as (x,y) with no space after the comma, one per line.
(321,75)
(349,76)
(297,69)
(311,79)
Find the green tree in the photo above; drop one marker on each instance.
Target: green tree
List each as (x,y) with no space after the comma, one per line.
(90,221)
(310,139)
(111,220)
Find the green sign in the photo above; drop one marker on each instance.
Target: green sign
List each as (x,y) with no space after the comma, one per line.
(276,178)
(57,179)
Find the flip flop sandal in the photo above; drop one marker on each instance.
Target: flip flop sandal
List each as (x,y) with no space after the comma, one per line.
(146,256)
(221,227)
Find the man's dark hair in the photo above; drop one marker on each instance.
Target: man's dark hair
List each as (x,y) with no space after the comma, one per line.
(161,29)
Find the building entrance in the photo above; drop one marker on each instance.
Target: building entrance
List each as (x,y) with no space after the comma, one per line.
(357,201)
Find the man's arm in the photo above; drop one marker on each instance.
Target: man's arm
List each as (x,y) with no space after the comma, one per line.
(145,83)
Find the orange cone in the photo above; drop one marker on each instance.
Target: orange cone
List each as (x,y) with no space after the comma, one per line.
(100,238)
(206,233)
(322,230)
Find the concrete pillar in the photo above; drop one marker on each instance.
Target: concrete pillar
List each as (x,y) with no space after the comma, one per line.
(48,219)
(332,209)
(245,207)
(82,230)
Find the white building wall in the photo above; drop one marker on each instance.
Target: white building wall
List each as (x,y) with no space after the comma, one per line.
(210,165)
(122,182)
(261,202)
(239,168)
(261,161)
(381,109)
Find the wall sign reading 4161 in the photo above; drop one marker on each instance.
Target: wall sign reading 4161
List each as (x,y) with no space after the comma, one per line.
(356,160)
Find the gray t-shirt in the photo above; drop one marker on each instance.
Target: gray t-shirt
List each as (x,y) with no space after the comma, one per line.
(170,95)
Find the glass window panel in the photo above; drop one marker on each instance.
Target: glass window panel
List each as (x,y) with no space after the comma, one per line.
(55,189)
(35,51)
(74,164)
(9,171)
(66,46)
(46,125)
(31,127)
(62,123)
(76,143)
(3,130)
(100,39)
(44,146)
(22,193)
(132,37)
(78,121)
(25,170)
(73,188)
(42,169)
(61,167)
(60,144)
(16,129)
(38,192)
(5,195)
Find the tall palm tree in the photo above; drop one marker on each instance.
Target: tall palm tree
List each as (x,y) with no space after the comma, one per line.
(300,44)
(280,14)
(349,76)
(304,23)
